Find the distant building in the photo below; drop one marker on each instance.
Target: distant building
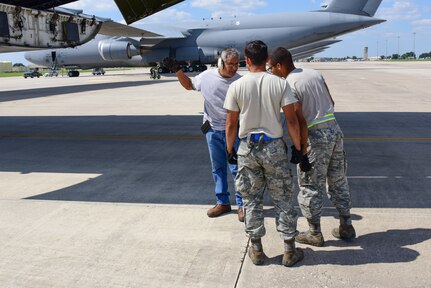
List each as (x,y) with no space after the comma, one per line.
(5,66)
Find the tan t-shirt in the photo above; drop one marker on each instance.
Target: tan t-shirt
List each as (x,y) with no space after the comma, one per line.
(259,98)
(308,86)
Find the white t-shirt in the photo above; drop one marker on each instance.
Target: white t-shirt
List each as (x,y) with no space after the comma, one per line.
(213,88)
(259,98)
(308,86)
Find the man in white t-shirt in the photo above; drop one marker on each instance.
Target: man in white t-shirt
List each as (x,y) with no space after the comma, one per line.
(213,85)
(256,101)
(325,151)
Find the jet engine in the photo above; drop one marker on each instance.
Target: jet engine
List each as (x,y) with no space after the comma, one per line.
(112,50)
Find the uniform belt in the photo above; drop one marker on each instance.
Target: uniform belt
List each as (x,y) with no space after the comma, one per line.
(256,137)
(326,124)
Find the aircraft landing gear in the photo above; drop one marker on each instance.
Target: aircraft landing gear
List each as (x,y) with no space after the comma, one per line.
(155,72)
(73,73)
(194,68)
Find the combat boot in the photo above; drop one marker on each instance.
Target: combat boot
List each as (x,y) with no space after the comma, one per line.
(344,232)
(310,238)
(291,255)
(255,252)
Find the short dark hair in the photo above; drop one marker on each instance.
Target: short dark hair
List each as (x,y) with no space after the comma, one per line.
(257,51)
(281,55)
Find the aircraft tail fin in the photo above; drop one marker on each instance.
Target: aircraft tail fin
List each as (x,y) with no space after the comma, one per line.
(358,7)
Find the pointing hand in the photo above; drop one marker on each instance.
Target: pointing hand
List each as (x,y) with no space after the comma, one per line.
(171,64)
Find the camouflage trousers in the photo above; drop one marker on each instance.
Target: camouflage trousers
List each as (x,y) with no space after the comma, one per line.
(326,154)
(260,168)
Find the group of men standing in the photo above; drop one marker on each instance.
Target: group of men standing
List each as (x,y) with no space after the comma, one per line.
(242,123)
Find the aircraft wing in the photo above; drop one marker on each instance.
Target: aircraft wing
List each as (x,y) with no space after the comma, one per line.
(312,46)
(111,28)
(134,10)
(308,53)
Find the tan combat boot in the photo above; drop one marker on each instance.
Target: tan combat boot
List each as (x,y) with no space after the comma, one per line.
(255,252)
(344,232)
(310,238)
(313,236)
(291,255)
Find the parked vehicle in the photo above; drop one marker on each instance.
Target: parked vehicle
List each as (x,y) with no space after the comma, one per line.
(32,73)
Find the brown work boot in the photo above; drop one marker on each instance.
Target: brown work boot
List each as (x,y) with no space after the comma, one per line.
(344,232)
(240,214)
(255,252)
(310,238)
(218,210)
(291,257)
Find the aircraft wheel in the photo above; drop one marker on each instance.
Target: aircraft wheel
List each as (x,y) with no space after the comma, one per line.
(203,68)
(191,69)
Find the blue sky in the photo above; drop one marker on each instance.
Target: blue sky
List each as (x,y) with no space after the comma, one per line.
(404,18)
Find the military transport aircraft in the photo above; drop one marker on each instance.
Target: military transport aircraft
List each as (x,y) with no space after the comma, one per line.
(41,24)
(201,42)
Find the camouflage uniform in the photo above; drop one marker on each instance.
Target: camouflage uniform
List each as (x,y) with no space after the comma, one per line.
(266,166)
(326,153)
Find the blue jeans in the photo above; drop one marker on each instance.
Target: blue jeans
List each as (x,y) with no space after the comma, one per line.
(217,148)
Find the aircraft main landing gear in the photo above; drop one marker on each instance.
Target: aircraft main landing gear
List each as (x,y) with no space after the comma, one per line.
(154,72)
(73,73)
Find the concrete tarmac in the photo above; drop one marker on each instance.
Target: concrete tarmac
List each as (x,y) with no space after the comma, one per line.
(105,182)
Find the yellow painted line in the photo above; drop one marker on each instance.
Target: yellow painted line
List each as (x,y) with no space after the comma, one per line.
(72,136)
(385,139)
(102,136)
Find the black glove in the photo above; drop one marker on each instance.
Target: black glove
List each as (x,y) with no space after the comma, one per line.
(171,64)
(305,164)
(296,155)
(232,157)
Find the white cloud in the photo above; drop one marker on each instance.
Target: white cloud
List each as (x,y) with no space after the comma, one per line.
(92,6)
(169,15)
(401,10)
(422,22)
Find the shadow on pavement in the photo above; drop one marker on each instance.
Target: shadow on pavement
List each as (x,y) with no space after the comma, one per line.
(164,159)
(54,91)
(374,248)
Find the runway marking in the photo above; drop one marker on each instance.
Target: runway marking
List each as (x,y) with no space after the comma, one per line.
(73,136)
(368,177)
(101,136)
(385,139)
(381,177)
